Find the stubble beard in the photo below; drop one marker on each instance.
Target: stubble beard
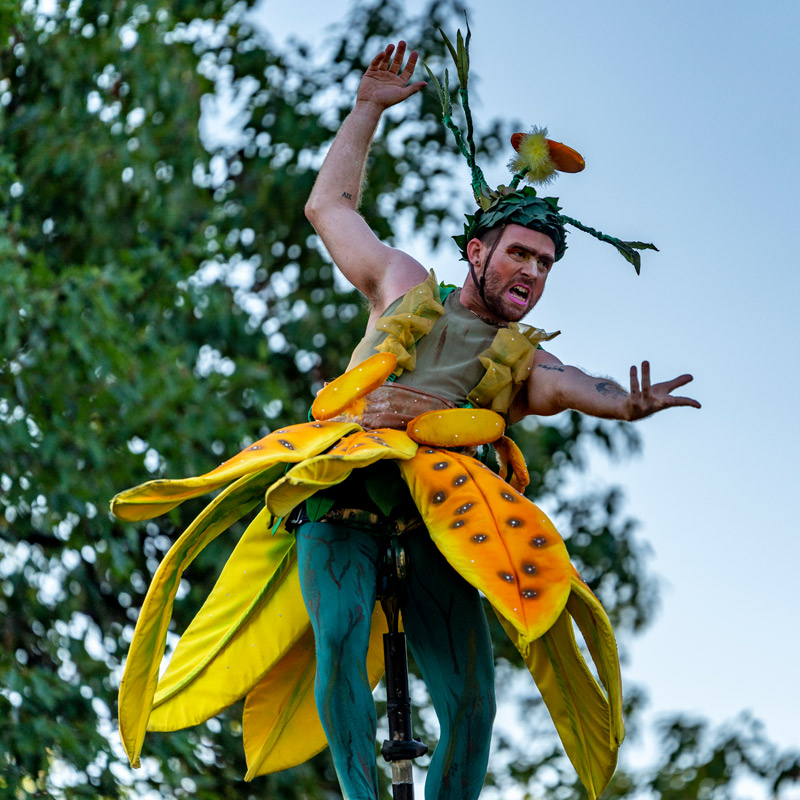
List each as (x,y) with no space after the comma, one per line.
(495,301)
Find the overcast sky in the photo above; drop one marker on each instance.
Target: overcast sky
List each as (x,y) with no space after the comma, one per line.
(687,115)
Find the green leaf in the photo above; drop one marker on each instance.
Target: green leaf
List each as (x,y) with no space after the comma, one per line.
(443,92)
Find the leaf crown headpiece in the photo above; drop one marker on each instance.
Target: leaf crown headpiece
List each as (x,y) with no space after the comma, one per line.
(536,160)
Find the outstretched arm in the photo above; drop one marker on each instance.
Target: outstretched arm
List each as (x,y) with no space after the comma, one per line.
(379,272)
(554,387)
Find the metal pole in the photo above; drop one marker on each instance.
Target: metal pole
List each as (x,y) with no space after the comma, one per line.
(400,748)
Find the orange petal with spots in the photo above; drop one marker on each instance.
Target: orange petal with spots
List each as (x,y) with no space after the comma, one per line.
(291,444)
(352,452)
(511,457)
(354,384)
(493,536)
(456,427)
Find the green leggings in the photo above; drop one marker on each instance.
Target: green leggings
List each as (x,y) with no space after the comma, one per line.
(447,634)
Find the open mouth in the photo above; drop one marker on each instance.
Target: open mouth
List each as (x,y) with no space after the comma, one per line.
(519,294)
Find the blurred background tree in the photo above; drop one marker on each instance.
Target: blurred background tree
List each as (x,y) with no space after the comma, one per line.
(164,303)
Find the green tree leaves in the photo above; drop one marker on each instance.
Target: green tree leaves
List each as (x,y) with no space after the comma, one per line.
(163,302)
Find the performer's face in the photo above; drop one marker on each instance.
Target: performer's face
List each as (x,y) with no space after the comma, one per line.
(518,270)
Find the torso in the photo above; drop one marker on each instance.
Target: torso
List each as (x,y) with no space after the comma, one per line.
(448,362)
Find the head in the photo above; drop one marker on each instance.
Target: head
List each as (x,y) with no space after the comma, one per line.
(509,265)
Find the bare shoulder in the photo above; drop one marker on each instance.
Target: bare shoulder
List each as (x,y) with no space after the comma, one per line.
(380,272)
(541,388)
(401,274)
(546,361)
(384,285)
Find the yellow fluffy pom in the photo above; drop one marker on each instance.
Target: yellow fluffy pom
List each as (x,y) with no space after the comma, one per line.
(533,154)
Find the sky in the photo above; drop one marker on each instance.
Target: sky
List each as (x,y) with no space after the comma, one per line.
(686,114)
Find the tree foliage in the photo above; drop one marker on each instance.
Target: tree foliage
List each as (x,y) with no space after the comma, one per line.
(164,303)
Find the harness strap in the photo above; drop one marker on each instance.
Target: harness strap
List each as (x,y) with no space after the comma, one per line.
(481,285)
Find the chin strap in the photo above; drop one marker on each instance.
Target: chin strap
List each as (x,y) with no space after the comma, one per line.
(480,285)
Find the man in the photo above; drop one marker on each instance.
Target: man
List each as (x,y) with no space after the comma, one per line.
(509,269)
(371,469)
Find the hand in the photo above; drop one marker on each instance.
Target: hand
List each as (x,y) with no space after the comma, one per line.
(650,399)
(385,82)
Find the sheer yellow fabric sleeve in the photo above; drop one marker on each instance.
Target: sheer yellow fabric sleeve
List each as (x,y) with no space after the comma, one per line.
(508,362)
(412,319)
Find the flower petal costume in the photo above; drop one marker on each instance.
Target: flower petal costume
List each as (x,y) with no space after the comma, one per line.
(252,637)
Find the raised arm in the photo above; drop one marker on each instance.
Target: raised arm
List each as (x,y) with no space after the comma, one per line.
(554,387)
(380,272)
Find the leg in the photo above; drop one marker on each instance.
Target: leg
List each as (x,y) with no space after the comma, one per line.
(338,575)
(449,637)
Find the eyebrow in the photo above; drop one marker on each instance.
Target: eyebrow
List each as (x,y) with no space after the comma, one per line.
(533,252)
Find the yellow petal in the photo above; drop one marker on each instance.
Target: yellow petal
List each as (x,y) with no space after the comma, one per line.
(150,635)
(287,445)
(595,627)
(456,427)
(353,452)
(284,699)
(577,705)
(353,385)
(281,724)
(493,536)
(252,617)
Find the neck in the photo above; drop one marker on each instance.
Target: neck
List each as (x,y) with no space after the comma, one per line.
(470,299)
